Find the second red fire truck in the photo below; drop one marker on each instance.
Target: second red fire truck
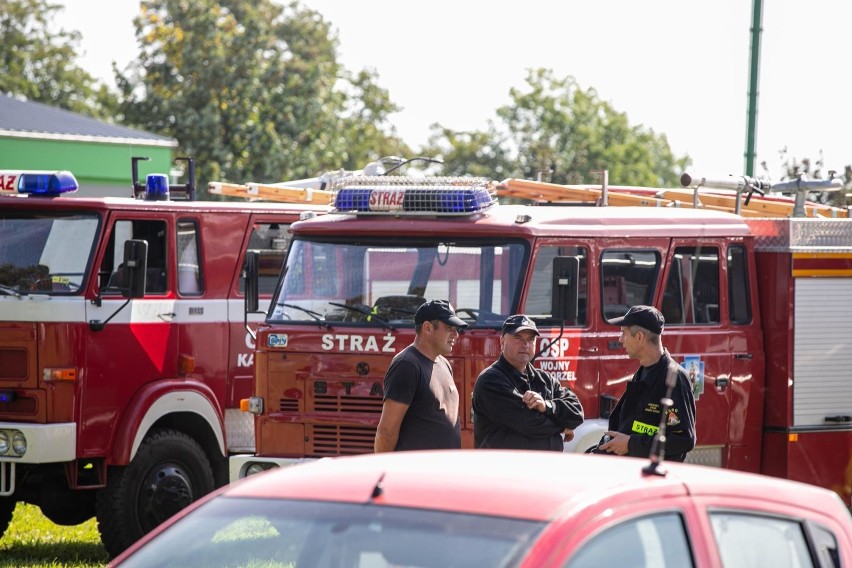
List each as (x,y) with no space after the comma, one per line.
(756,311)
(124,351)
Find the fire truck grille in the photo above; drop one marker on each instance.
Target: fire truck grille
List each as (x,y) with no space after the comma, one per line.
(348,404)
(288,405)
(19,406)
(13,364)
(332,440)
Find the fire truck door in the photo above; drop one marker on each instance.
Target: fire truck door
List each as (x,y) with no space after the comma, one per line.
(573,356)
(271,239)
(698,308)
(139,343)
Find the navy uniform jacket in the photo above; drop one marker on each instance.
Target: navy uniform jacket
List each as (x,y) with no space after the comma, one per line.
(502,420)
(638,411)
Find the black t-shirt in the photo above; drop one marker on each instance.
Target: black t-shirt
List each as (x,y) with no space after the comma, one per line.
(427,387)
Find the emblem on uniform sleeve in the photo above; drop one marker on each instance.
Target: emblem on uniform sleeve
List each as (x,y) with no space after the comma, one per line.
(672,418)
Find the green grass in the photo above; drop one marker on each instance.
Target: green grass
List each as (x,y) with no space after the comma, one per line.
(34,541)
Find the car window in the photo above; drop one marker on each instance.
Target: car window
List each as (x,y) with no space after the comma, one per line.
(657,541)
(753,541)
(298,534)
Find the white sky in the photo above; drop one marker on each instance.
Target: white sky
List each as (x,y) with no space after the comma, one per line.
(679,67)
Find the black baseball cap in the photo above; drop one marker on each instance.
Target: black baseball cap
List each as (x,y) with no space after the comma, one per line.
(518,322)
(647,317)
(438,310)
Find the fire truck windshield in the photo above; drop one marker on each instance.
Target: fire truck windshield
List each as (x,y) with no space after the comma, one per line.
(35,256)
(383,282)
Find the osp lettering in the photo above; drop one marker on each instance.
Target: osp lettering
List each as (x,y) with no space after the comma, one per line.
(556,349)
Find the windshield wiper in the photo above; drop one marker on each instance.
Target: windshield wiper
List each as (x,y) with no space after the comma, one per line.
(9,291)
(318,317)
(370,315)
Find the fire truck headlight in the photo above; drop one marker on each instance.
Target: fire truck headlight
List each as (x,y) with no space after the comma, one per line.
(258,468)
(4,442)
(19,443)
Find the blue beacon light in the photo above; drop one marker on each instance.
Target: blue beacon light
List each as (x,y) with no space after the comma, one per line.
(47,184)
(157,187)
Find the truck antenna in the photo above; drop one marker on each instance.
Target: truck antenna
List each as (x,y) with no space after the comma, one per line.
(415,159)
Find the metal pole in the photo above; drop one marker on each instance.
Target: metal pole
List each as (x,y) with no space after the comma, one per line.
(754,69)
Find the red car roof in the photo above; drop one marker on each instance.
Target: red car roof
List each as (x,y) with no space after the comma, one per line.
(528,485)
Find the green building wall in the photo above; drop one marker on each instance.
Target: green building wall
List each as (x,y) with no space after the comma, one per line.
(101,169)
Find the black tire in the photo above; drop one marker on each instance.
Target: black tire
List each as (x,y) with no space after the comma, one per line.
(169,472)
(7,507)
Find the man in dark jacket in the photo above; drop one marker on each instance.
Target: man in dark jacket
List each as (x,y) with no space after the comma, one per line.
(637,416)
(516,406)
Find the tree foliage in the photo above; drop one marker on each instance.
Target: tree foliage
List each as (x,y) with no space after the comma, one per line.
(554,126)
(38,63)
(252,90)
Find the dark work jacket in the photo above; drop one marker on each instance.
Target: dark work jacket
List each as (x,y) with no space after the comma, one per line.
(502,420)
(638,411)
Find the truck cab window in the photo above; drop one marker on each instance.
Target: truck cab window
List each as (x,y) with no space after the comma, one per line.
(374,282)
(154,232)
(738,290)
(539,296)
(628,278)
(271,241)
(692,287)
(35,256)
(189,259)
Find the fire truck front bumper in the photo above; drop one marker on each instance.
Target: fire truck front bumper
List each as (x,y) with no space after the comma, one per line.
(33,444)
(243,465)
(37,443)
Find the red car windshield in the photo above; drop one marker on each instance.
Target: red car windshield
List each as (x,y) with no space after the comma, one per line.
(274,532)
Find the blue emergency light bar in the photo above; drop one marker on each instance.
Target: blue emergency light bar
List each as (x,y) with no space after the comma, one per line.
(397,195)
(45,184)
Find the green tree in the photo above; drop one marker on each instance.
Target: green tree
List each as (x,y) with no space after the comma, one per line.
(252,90)
(38,63)
(477,153)
(555,126)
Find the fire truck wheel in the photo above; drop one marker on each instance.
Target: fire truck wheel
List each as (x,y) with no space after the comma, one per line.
(7,506)
(169,472)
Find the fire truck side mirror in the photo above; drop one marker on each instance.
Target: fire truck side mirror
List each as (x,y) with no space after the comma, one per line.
(566,275)
(136,267)
(252,279)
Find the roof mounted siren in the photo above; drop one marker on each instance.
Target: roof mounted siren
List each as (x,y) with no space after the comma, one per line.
(157,187)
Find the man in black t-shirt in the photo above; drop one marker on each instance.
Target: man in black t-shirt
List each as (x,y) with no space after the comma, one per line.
(421,405)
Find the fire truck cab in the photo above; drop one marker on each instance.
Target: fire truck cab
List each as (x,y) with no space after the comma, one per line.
(124,349)
(754,308)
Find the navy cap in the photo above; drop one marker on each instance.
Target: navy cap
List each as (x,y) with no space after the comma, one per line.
(518,322)
(438,310)
(647,317)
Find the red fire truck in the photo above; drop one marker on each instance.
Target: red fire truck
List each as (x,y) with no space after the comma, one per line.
(124,349)
(756,311)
